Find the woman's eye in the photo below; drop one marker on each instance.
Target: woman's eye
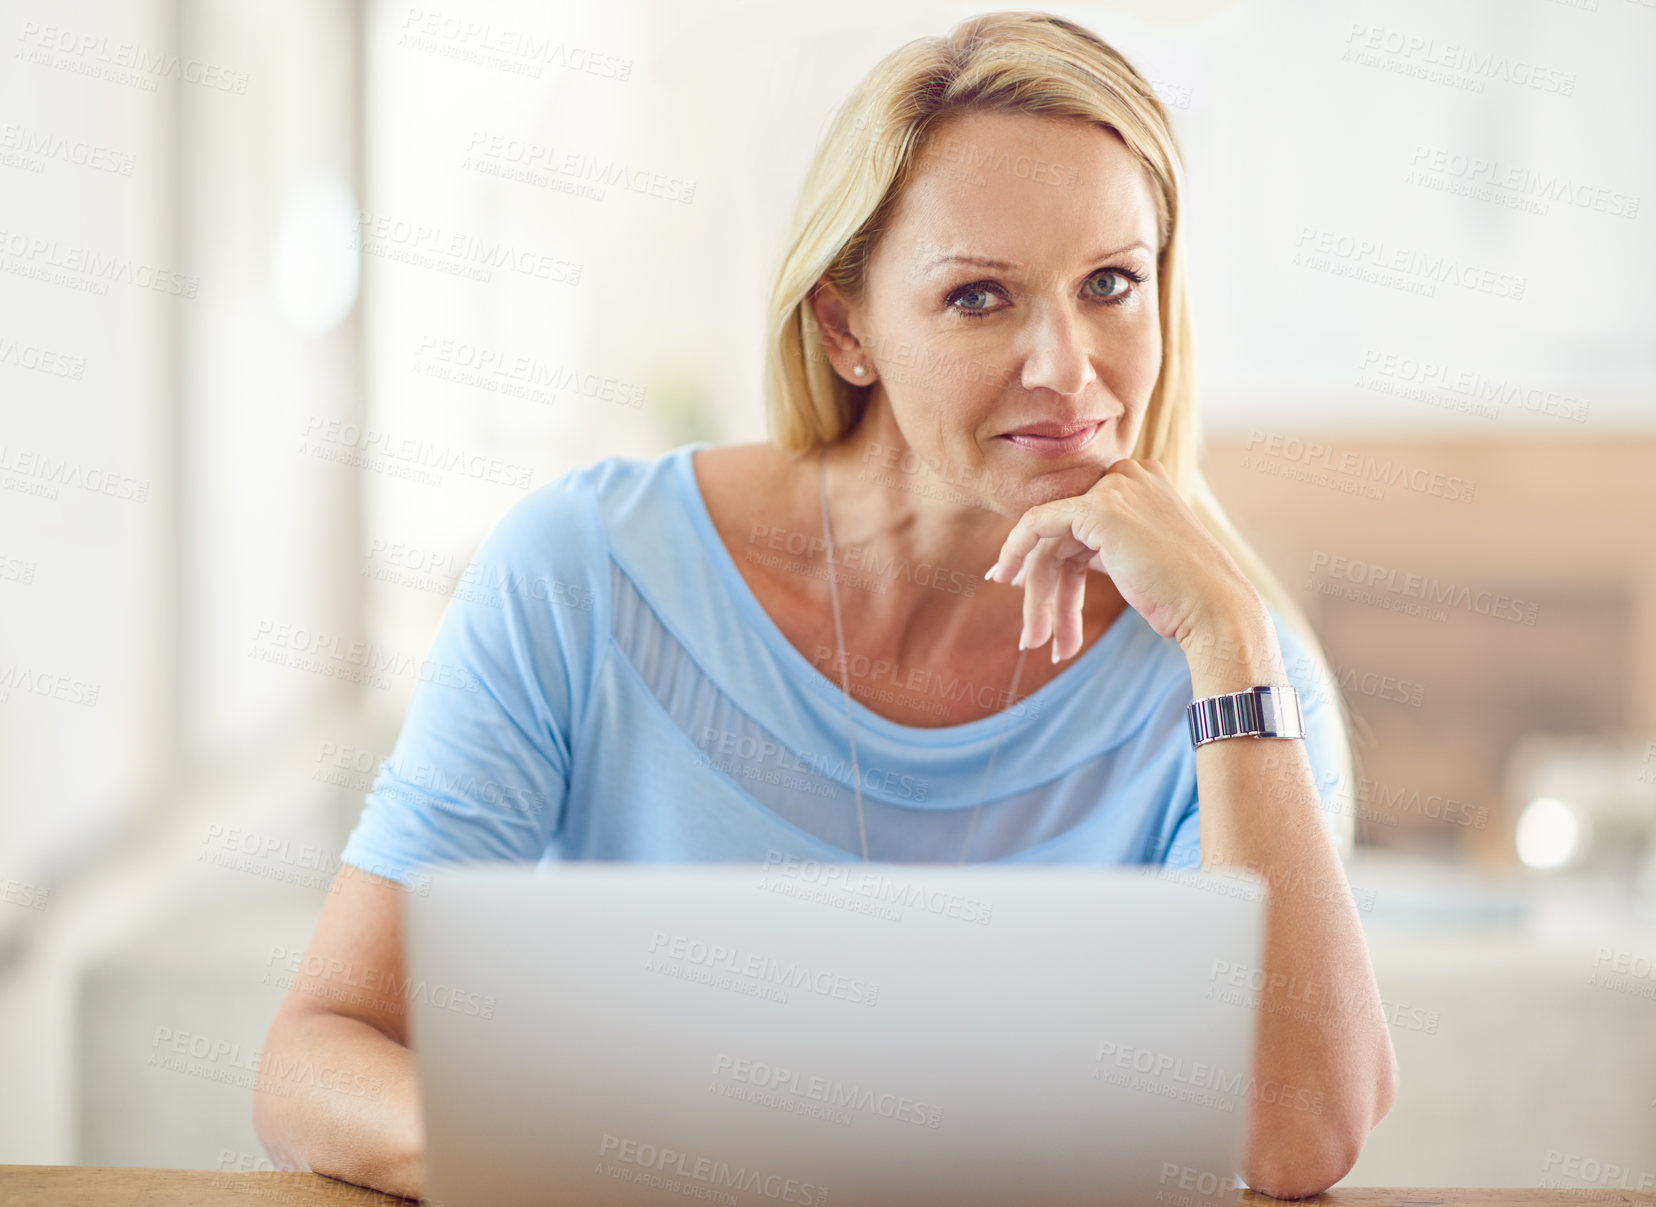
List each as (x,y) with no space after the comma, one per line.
(1124,284)
(971,291)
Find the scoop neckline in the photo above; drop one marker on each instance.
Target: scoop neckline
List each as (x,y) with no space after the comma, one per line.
(1065,683)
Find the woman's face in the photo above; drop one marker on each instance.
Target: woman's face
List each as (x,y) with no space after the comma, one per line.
(1011,309)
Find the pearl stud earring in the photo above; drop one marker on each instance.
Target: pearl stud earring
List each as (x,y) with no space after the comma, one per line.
(858,370)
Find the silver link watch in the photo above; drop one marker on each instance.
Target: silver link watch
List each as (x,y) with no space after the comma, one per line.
(1260,712)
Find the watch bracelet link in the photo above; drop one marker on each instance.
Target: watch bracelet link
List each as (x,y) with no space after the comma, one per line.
(1266,711)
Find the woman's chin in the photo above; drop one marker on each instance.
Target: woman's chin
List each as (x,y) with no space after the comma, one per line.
(1060,483)
(1012,498)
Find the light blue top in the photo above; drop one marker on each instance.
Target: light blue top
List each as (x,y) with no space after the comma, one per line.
(604,685)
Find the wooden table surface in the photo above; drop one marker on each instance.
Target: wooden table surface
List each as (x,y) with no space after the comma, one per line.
(92,1186)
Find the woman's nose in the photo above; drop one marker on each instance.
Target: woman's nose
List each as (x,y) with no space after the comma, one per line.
(1059,353)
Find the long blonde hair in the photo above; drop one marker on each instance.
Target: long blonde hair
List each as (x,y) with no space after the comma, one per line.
(1021,62)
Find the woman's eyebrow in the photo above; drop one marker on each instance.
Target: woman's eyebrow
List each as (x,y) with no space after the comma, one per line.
(986,262)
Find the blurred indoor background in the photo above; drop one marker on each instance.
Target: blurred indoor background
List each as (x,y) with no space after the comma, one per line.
(297,299)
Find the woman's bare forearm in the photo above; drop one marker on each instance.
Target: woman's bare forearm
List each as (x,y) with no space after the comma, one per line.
(1324,1058)
(338,1097)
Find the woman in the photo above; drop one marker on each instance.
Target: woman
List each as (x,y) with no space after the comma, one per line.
(983,444)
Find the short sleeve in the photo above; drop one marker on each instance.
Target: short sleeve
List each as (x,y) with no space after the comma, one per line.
(481,766)
(1326,746)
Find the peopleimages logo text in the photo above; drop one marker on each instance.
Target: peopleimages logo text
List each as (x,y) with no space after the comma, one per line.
(1373,575)
(663,1166)
(1367,467)
(787,974)
(895,890)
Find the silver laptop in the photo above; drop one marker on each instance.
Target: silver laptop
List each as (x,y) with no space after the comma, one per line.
(839,1034)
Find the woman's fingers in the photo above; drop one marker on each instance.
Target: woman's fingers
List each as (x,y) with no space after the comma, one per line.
(1043,555)
(1072,594)
(1040,588)
(1055,588)
(1049,520)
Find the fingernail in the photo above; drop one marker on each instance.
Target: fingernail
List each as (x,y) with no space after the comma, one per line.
(1021,644)
(989,574)
(1055,649)
(1018,578)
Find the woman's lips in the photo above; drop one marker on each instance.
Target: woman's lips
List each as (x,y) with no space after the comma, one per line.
(1055,439)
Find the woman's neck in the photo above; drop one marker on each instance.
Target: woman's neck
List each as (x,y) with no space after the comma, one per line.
(918,538)
(885,497)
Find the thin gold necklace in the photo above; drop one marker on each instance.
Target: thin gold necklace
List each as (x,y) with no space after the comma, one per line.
(845,688)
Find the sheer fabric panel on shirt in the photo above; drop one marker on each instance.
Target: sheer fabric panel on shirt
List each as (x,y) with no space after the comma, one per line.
(810,789)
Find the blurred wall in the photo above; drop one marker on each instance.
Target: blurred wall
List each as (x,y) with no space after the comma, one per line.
(1469,592)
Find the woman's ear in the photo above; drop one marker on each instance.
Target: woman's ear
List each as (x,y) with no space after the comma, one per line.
(842,349)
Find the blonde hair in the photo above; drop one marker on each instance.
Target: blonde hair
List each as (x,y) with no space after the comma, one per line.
(1020,62)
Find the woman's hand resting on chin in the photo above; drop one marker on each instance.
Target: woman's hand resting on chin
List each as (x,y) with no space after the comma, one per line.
(1134,526)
